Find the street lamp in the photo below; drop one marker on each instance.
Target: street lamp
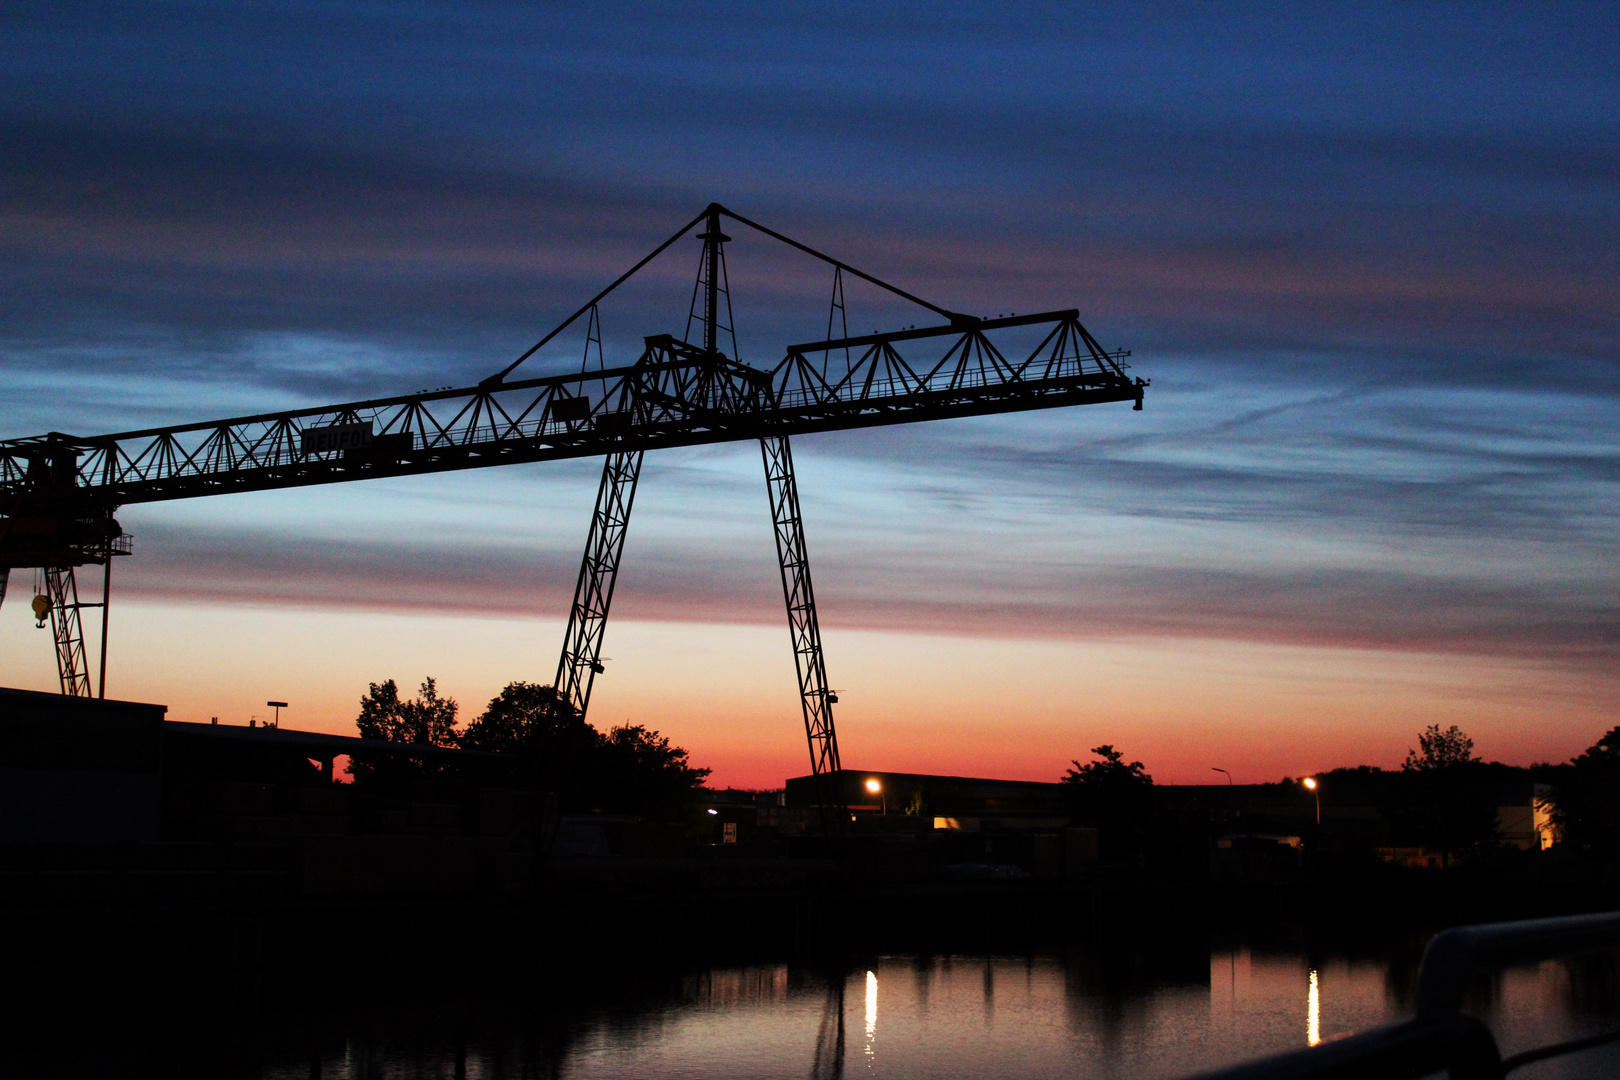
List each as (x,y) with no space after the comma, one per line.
(1230,817)
(877,789)
(1310,785)
(278,706)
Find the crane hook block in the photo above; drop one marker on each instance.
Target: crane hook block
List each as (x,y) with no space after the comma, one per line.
(42,608)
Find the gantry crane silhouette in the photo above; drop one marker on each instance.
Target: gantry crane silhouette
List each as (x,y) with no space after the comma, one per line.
(59,493)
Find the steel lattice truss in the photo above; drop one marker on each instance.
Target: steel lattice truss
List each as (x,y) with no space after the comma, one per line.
(62,587)
(581,659)
(676,394)
(816,698)
(58,492)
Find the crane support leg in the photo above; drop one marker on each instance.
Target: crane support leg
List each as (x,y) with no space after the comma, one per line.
(581,658)
(63,591)
(814,698)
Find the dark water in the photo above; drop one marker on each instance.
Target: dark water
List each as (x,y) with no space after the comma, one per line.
(1109,1008)
(968,1016)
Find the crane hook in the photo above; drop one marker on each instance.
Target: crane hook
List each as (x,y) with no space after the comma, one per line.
(42,608)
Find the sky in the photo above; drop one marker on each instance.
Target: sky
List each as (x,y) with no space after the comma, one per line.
(1367,257)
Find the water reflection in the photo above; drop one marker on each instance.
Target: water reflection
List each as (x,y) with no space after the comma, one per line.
(1091,1012)
(828,1062)
(1032,1016)
(1313,1012)
(871,1013)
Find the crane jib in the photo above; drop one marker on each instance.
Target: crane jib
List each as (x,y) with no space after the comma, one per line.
(676,394)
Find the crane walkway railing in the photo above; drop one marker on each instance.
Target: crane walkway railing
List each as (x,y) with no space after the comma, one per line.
(1441,1038)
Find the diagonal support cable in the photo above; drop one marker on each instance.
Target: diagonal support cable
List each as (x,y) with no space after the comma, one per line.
(956,318)
(815,699)
(498,377)
(581,659)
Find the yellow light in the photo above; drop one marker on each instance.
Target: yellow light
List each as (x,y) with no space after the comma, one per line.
(1310,783)
(1313,1013)
(871,1009)
(873,786)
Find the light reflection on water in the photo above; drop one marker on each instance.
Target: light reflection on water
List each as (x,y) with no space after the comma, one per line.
(1015,1017)
(871,1014)
(1313,1012)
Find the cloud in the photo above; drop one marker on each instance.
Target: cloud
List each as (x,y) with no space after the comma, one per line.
(499,186)
(1370,273)
(664,579)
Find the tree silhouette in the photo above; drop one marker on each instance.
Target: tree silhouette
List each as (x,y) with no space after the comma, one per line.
(641,773)
(542,744)
(427,720)
(546,744)
(630,770)
(1441,749)
(1110,774)
(527,718)
(1117,797)
(1586,805)
(1447,795)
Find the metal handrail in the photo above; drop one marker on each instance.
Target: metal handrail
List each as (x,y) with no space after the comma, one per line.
(1441,1037)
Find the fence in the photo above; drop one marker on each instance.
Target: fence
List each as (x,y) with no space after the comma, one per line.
(1441,1038)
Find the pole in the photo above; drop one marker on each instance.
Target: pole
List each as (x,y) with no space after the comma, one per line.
(106,595)
(711,337)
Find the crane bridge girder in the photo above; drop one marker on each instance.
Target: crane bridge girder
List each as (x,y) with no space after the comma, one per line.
(674,395)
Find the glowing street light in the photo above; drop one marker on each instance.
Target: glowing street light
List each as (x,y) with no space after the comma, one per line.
(1310,785)
(877,789)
